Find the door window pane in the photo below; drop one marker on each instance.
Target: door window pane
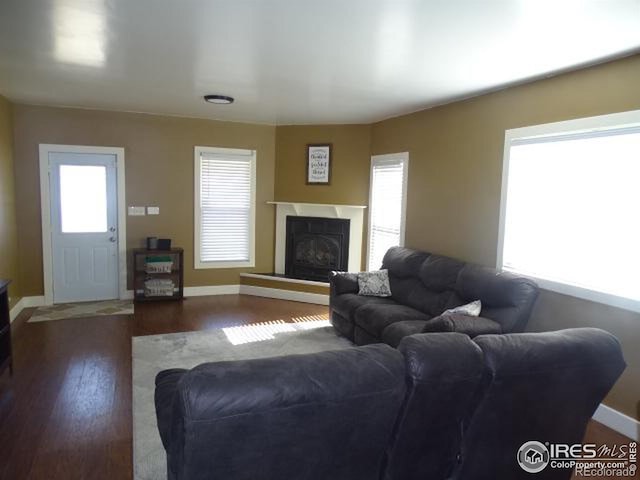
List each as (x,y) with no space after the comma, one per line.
(83,198)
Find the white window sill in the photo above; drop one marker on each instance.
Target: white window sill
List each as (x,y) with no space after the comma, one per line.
(581,292)
(208,265)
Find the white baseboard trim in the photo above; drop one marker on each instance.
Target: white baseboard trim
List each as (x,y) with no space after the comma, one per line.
(211,290)
(615,420)
(281,294)
(15,311)
(26,302)
(37,301)
(200,291)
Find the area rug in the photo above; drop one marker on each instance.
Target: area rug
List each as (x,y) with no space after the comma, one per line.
(154,353)
(84,309)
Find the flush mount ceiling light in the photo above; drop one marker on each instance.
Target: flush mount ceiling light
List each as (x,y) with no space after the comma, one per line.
(219,99)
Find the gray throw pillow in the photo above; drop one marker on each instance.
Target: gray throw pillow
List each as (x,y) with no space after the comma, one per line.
(374,284)
(471,309)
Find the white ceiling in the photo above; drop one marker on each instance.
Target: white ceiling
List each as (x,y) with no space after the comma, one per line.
(296,61)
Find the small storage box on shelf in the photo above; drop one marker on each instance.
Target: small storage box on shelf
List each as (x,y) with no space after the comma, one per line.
(158,274)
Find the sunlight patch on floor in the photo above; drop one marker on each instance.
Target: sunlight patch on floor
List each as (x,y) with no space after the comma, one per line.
(311,321)
(259,332)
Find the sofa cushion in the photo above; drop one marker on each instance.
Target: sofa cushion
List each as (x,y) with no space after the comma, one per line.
(440,273)
(346,304)
(394,333)
(403,262)
(458,322)
(412,292)
(362,337)
(375,318)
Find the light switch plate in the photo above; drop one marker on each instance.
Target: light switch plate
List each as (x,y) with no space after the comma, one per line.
(135,211)
(153,210)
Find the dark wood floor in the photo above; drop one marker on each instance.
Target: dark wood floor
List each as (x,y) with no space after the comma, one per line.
(66,412)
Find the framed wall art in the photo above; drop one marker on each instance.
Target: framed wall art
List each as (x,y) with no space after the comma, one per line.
(319,164)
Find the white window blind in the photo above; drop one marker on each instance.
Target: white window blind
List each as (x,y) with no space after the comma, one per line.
(225,207)
(387,204)
(571,210)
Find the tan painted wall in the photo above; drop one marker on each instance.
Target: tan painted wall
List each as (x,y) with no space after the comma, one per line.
(8,227)
(455,175)
(350,162)
(159,171)
(350,157)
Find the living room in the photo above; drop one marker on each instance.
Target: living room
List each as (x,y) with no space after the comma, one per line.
(66,408)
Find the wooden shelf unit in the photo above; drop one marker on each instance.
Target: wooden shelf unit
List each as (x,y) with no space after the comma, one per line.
(140,274)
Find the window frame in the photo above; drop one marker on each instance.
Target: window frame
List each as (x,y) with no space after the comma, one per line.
(589,126)
(376,159)
(198,264)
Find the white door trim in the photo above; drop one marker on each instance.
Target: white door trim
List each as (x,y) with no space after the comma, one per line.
(45,212)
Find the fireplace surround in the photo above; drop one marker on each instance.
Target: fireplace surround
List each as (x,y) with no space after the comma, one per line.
(315,246)
(353,213)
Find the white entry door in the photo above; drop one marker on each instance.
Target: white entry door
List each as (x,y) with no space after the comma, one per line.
(84,223)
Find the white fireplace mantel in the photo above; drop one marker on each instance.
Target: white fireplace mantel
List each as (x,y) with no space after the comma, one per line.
(354,213)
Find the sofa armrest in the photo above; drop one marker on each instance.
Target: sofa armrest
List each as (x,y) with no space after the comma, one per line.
(343,282)
(460,323)
(167,387)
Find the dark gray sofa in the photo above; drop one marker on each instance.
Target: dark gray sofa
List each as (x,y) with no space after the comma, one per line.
(440,406)
(423,286)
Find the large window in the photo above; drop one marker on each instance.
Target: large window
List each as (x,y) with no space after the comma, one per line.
(570,207)
(224,207)
(387,205)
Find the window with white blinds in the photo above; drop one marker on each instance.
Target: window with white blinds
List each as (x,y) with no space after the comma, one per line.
(225,207)
(387,202)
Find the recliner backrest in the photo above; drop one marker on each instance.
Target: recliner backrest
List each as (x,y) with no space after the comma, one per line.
(422,280)
(541,387)
(319,416)
(443,372)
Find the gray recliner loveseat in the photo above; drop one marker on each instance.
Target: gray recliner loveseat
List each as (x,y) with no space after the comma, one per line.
(423,286)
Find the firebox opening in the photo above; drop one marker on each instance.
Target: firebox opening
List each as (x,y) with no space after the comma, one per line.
(315,246)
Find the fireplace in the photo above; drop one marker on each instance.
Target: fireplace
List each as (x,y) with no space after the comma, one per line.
(315,246)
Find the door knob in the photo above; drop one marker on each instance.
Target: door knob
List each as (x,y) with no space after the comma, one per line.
(112,229)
